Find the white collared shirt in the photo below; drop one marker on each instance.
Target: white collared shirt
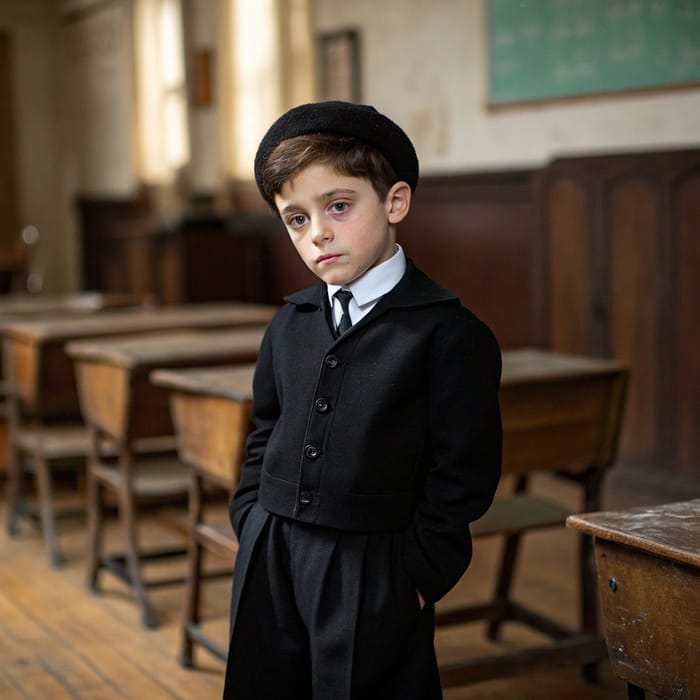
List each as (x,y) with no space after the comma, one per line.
(369,287)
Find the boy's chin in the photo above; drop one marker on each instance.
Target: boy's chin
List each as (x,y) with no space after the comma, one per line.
(334,277)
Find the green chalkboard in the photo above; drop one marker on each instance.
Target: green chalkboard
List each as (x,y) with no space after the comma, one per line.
(542,49)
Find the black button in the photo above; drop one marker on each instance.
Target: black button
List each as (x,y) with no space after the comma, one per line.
(331,361)
(311,451)
(305,498)
(321,405)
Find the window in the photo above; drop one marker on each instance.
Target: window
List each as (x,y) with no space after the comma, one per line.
(269,68)
(163,143)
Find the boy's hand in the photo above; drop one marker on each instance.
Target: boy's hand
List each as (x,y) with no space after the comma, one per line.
(421,600)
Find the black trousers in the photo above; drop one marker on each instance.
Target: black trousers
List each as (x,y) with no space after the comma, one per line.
(328,615)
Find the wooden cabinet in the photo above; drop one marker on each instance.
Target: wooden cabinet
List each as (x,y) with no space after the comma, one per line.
(621,278)
(191,258)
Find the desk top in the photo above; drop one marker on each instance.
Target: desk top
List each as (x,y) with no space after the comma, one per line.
(141,320)
(519,367)
(130,352)
(20,306)
(229,382)
(670,530)
(530,365)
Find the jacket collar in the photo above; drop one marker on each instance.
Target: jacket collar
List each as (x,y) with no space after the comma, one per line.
(414,289)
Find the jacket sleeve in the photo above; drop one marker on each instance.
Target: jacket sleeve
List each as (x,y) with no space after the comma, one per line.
(265,412)
(466,440)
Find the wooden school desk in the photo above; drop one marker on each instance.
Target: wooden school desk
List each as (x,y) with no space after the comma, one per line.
(14,307)
(561,415)
(122,408)
(22,306)
(211,412)
(648,562)
(45,423)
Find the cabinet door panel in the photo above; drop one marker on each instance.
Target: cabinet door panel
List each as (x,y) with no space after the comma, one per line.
(634,298)
(688,366)
(571,280)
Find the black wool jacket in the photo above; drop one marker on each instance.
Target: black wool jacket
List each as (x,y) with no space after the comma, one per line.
(394,426)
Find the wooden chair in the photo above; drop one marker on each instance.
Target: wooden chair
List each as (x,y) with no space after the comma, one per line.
(46,429)
(561,415)
(121,407)
(211,412)
(42,426)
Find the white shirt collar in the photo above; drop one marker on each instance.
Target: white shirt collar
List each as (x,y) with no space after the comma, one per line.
(376,282)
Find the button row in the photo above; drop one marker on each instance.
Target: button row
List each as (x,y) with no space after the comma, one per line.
(312,451)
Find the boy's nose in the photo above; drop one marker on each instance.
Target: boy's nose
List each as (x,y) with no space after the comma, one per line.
(321,232)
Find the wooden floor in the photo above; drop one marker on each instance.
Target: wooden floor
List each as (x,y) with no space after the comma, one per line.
(59,641)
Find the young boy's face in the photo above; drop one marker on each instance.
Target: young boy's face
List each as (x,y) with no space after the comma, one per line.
(338,224)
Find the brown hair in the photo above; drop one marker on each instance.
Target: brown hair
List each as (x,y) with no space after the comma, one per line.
(347,155)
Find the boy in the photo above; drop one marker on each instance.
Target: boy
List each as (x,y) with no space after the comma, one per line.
(376,438)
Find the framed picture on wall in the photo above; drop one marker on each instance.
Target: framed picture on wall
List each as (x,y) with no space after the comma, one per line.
(339,58)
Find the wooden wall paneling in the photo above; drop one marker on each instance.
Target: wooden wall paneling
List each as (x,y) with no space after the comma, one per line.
(476,236)
(686,212)
(568,208)
(637,217)
(225,257)
(634,302)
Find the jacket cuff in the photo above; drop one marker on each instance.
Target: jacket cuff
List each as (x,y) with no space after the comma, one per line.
(431,580)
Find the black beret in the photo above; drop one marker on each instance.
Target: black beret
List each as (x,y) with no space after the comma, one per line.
(346,119)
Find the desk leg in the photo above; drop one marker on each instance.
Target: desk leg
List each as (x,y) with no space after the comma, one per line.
(47,514)
(592,486)
(15,476)
(635,692)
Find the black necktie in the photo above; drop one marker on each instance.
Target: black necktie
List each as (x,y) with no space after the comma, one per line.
(344,296)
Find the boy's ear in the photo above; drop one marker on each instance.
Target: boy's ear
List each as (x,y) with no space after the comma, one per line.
(398,201)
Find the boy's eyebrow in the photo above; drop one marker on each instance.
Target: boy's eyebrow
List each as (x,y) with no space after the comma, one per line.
(337,191)
(322,197)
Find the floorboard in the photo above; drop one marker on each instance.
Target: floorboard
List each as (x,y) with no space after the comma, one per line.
(57,640)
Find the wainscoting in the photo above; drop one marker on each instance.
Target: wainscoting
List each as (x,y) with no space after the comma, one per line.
(593,255)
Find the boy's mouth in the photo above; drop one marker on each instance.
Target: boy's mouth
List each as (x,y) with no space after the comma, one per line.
(327,258)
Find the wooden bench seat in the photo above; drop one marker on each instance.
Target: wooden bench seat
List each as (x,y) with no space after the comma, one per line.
(54,442)
(521,512)
(157,476)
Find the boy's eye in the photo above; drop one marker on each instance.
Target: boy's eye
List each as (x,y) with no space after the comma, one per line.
(297,220)
(339,207)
